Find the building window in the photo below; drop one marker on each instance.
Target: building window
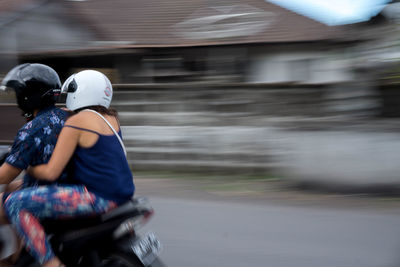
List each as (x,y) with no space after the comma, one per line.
(300,70)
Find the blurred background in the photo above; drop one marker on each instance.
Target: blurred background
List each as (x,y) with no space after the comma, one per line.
(305,90)
(301,91)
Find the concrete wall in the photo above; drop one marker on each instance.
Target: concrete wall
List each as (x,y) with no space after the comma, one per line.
(232,128)
(326,135)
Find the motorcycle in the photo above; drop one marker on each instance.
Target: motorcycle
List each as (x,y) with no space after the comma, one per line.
(110,239)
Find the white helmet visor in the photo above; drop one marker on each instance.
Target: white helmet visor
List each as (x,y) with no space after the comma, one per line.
(69,85)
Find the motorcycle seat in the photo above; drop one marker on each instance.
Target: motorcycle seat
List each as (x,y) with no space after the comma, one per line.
(111,218)
(131,207)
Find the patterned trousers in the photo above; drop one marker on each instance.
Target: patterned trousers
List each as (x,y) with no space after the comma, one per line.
(26,207)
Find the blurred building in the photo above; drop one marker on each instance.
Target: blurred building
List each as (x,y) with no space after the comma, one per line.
(161,41)
(246,42)
(157,41)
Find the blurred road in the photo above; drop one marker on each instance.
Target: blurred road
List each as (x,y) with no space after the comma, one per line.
(216,233)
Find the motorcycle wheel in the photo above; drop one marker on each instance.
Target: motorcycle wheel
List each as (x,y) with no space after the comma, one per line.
(126,260)
(120,260)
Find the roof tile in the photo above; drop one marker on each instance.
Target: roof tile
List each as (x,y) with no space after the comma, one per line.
(199,22)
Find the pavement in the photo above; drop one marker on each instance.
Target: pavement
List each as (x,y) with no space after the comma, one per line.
(271,192)
(210,222)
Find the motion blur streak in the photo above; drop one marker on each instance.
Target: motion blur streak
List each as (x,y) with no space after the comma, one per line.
(245,99)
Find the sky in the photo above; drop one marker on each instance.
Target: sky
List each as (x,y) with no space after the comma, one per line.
(334,12)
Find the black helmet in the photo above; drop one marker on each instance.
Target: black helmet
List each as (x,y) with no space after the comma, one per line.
(36,86)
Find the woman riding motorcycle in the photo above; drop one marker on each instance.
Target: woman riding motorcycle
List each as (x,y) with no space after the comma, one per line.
(99,167)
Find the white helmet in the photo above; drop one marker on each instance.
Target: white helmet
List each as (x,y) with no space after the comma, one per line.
(87,88)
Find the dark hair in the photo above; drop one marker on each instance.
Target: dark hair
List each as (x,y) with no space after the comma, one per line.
(102,110)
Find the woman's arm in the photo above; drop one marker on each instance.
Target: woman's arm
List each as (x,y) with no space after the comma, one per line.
(65,147)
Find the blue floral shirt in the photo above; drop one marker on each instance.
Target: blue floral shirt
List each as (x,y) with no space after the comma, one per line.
(35,142)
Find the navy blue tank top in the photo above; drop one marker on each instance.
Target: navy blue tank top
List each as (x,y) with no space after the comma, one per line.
(103,168)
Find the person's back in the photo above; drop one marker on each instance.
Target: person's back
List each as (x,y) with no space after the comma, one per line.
(99,161)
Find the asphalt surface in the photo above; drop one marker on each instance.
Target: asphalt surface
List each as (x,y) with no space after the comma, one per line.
(267,223)
(210,228)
